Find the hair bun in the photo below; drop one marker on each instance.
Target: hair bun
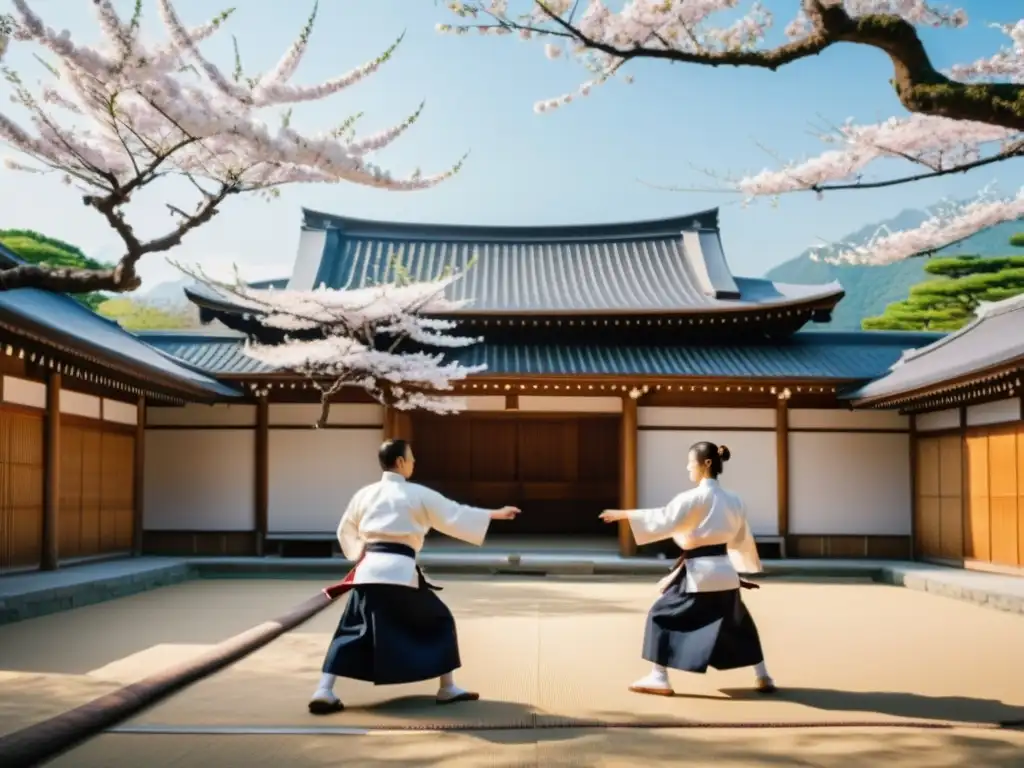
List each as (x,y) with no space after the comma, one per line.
(724,453)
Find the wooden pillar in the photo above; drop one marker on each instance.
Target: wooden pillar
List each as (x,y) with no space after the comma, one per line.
(139,478)
(914,554)
(782,465)
(262,495)
(628,474)
(403,425)
(397,424)
(51,475)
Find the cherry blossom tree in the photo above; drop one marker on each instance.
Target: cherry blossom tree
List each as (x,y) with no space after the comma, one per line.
(375,338)
(130,113)
(966,118)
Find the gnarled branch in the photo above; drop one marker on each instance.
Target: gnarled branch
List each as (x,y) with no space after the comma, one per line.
(919,86)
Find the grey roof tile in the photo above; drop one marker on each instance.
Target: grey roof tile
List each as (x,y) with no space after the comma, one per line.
(667,265)
(853,356)
(994,338)
(59,319)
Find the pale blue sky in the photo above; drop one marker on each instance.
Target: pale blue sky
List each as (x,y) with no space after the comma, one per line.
(579,164)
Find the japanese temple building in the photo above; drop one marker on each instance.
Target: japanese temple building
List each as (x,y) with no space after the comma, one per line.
(73,387)
(609,350)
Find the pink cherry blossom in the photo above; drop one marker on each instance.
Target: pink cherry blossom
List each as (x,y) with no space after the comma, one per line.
(718,26)
(130,103)
(359,338)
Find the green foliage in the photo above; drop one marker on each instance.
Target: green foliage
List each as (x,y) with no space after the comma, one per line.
(40,249)
(48,251)
(870,289)
(949,302)
(1018,240)
(138,316)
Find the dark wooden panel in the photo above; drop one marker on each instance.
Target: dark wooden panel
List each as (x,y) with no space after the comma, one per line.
(208,543)
(493,455)
(548,450)
(92,462)
(852,547)
(116,491)
(21,488)
(599,445)
(442,449)
(561,470)
(69,517)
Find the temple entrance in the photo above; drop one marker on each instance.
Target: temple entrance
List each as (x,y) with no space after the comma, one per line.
(560,470)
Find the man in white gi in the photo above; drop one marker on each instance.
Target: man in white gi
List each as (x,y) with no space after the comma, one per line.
(394,628)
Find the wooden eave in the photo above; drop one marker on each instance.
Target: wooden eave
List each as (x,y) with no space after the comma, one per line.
(995,383)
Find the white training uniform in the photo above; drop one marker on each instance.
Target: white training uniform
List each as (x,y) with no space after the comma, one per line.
(701,516)
(398,511)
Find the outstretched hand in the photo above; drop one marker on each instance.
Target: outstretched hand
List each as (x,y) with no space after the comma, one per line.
(505,513)
(613,515)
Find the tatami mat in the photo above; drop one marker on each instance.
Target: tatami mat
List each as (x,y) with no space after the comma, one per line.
(784,748)
(561,652)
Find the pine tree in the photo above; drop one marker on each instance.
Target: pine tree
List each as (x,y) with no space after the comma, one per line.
(949,301)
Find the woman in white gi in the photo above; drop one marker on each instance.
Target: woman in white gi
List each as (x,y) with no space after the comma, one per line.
(700,620)
(394,628)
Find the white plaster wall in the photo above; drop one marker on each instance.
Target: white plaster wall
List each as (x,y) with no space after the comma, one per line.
(849,483)
(122,413)
(314,473)
(829,418)
(24,392)
(200,480)
(485,403)
(199,415)
(752,472)
(77,404)
(996,412)
(306,415)
(570,404)
(936,420)
(687,418)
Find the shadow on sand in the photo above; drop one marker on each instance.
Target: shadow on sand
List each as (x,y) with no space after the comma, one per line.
(533,741)
(954,709)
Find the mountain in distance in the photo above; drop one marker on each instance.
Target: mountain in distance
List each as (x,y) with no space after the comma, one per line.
(170,292)
(870,288)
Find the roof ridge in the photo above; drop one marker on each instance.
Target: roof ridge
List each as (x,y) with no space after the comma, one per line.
(704,219)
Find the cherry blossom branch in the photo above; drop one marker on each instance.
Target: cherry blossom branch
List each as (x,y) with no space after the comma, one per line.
(967,118)
(1014,150)
(139,113)
(373,338)
(678,31)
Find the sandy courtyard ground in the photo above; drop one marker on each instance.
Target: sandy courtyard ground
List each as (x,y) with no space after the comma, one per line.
(551,658)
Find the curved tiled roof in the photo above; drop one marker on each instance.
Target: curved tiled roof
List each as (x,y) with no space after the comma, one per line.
(59,320)
(993,339)
(843,357)
(674,265)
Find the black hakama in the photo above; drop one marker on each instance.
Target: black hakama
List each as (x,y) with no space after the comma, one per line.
(697,630)
(390,634)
